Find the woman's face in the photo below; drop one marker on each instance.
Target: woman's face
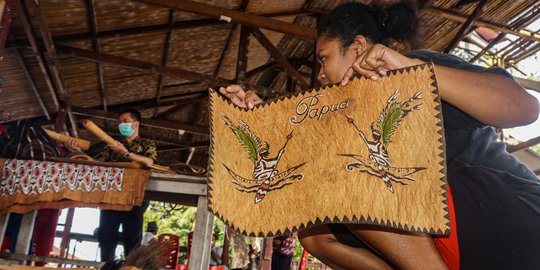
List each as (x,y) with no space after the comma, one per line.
(334,60)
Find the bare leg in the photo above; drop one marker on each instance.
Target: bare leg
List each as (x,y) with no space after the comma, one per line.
(321,243)
(405,250)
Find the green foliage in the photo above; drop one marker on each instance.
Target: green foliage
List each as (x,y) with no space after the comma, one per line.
(389,120)
(249,141)
(536,148)
(178,220)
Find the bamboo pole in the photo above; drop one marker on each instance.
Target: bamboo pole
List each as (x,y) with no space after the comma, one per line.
(102,135)
(83,144)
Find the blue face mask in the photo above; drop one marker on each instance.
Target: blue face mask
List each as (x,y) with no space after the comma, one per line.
(126,129)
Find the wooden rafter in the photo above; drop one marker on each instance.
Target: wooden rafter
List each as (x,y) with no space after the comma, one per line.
(149,122)
(237,17)
(139,65)
(241,63)
(274,52)
(25,20)
(53,62)
(96,45)
(31,82)
(150,67)
(467,26)
(5,20)
(122,32)
(165,56)
(526,20)
(523,145)
(242,8)
(523,33)
(529,84)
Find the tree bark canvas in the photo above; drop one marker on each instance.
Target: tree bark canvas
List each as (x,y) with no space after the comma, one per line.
(371,152)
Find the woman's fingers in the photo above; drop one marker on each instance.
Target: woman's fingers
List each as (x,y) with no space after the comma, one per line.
(244,99)
(252,99)
(235,93)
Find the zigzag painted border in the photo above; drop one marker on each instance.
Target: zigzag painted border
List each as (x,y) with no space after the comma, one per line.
(345,219)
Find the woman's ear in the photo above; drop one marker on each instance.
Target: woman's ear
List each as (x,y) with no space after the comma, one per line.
(136,124)
(360,44)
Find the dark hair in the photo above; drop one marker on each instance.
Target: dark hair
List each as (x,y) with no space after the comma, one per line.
(134,113)
(143,257)
(377,23)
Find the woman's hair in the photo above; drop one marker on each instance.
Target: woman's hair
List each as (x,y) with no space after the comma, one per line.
(377,23)
(143,257)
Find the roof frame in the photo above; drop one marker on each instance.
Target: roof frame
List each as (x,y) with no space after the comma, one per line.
(455,16)
(467,26)
(234,16)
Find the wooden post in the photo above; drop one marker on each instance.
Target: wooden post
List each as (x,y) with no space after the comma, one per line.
(199,256)
(226,245)
(66,234)
(26,231)
(3,225)
(266,256)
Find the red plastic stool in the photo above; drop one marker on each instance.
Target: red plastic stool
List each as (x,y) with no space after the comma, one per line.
(170,244)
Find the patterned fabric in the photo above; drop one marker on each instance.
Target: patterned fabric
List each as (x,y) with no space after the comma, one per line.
(38,177)
(139,146)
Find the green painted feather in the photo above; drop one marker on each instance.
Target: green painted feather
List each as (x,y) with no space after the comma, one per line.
(389,120)
(249,141)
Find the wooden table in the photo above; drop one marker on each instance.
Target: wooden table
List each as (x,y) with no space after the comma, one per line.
(165,187)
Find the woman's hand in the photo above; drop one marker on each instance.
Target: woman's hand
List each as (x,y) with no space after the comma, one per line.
(237,95)
(376,61)
(72,146)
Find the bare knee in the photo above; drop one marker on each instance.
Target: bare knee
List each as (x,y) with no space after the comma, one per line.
(316,241)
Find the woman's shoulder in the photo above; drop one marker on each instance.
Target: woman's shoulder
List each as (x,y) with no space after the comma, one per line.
(453,61)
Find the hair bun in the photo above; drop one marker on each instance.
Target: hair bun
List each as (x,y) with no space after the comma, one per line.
(401,23)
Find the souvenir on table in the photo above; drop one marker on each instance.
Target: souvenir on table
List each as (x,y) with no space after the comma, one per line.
(371,152)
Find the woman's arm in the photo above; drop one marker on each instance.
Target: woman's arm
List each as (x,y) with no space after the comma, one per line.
(490,98)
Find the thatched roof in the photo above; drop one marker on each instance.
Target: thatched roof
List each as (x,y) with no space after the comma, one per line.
(160,56)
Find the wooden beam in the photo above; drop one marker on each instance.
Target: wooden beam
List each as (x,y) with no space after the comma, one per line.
(200,249)
(529,84)
(261,68)
(274,52)
(165,56)
(26,231)
(96,45)
(452,15)
(5,20)
(523,145)
(23,257)
(224,51)
(24,67)
(179,25)
(234,16)
(140,65)
(242,8)
(150,67)
(149,122)
(54,64)
(241,63)
(3,226)
(25,20)
(523,21)
(66,234)
(467,26)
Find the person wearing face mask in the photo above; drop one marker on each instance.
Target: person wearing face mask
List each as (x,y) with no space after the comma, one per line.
(130,148)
